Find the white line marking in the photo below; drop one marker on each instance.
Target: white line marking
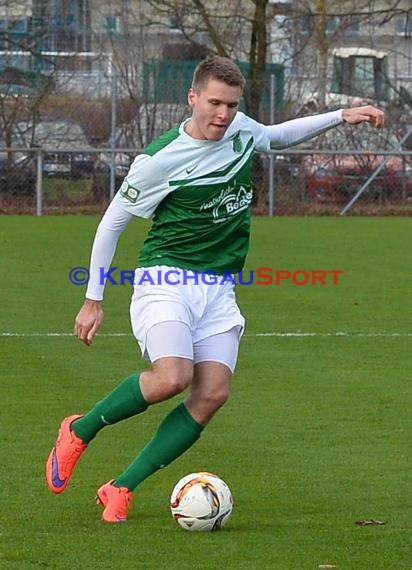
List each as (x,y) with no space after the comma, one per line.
(334,334)
(297,334)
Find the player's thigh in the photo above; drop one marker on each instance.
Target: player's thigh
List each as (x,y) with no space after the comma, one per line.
(211,381)
(169,339)
(149,311)
(166,378)
(215,359)
(222,348)
(170,350)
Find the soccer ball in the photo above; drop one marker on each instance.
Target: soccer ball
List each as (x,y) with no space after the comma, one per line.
(201,501)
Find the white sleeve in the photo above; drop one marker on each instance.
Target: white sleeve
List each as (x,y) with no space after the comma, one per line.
(144,187)
(299,130)
(111,226)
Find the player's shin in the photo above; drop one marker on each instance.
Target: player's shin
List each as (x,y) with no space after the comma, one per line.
(175,435)
(125,401)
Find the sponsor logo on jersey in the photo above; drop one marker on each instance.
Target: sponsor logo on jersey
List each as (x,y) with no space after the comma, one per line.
(129,192)
(230,202)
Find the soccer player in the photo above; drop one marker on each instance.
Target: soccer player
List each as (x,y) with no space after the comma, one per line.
(194,181)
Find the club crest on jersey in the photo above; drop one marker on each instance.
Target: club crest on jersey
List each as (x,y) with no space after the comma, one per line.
(237,143)
(129,192)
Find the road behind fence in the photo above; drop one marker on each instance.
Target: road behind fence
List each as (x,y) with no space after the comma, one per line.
(298,182)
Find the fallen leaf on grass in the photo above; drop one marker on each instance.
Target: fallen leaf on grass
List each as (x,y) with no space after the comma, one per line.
(370,521)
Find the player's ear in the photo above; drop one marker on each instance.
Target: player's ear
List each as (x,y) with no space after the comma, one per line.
(191,97)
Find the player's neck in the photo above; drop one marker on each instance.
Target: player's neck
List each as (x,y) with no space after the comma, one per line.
(193,131)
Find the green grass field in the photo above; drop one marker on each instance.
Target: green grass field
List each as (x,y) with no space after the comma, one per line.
(316,436)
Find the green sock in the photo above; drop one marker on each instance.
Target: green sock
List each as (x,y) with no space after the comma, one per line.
(124,401)
(175,435)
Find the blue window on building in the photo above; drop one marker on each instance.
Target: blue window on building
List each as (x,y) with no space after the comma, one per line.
(332,23)
(351,26)
(3,29)
(70,22)
(111,24)
(18,26)
(56,22)
(306,24)
(403,26)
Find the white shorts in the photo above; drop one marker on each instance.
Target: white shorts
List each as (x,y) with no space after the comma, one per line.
(206,309)
(173,338)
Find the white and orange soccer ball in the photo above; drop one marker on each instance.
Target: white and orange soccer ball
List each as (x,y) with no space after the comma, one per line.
(201,501)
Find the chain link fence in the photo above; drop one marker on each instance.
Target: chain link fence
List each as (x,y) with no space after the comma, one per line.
(330,182)
(299,182)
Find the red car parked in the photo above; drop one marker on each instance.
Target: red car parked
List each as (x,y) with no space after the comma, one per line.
(335,178)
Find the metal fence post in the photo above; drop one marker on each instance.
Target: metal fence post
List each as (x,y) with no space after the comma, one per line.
(39,183)
(113,135)
(271,198)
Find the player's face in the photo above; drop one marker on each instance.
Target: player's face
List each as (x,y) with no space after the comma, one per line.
(213,109)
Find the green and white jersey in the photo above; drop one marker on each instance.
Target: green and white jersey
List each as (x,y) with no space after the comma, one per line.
(198,193)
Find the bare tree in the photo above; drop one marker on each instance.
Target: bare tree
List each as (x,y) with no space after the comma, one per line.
(320,28)
(323,50)
(190,30)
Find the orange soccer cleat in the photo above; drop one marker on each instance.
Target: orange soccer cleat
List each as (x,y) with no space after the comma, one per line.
(116,502)
(64,456)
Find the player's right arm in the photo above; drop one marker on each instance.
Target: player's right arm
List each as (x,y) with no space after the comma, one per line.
(90,316)
(144,187)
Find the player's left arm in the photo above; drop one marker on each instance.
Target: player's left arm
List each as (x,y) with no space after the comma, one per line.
(367,113)
(295,131)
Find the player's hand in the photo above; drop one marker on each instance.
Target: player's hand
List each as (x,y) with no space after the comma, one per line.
(88,321)
(368,113)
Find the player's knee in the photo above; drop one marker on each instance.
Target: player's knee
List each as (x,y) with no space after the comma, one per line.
(222,398)
(176,381)
(171,378)
(216,399)
(204,404)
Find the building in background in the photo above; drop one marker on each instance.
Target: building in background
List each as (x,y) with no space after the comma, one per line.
(361,49)
(358,48)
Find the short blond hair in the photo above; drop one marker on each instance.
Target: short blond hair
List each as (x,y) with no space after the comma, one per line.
(219,68)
